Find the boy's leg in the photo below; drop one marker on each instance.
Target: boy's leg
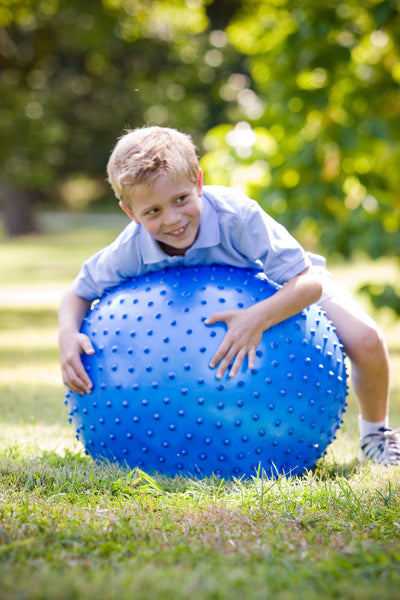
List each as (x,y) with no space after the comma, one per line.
(364,344)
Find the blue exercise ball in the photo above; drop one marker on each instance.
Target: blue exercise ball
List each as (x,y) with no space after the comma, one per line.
(157,405)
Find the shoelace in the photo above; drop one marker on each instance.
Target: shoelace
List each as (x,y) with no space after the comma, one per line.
(391,442)
(391,433)
(388,443)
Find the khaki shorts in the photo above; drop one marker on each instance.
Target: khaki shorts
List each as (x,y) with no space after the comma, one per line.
(330,287)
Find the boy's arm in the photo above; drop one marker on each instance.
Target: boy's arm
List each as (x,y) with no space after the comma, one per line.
(72,343)
(246,327)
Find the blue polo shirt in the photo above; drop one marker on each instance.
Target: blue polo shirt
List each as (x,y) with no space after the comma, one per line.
(234,230)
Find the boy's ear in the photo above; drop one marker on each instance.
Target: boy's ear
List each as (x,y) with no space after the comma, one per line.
(128,211)
(199,183)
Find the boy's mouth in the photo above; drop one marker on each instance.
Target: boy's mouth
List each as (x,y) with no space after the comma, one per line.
(177,233)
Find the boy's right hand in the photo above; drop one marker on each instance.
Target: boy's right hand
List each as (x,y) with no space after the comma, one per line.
(73,372)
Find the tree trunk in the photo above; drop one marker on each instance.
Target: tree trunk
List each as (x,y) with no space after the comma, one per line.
(17,209)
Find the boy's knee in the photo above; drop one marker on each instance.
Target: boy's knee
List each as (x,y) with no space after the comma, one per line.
(371,346)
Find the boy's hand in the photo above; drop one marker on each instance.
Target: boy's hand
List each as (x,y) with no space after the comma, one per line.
(73,372)
(246,327)
(241,340)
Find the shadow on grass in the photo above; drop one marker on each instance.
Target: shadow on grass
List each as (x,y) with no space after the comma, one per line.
(326,470)
(19,318)
(27,403)
(26,356)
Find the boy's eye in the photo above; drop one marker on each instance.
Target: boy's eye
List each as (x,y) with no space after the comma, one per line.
(152,211)
(180,199)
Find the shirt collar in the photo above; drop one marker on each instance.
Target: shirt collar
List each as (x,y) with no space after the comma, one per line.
(208,236)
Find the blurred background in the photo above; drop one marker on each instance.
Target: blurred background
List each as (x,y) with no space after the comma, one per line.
(296,102)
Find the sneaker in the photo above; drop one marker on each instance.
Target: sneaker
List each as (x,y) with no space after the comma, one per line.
(382,447)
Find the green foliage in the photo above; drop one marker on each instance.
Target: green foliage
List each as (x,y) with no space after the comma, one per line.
(82,72)
(383,296)
(324,145)
(295,101)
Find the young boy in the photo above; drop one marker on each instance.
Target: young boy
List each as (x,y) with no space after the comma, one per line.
(155,174)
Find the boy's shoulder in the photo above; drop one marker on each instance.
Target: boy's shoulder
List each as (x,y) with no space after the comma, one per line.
(226,199)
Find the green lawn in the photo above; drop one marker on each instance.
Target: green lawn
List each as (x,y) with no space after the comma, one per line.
(70,528)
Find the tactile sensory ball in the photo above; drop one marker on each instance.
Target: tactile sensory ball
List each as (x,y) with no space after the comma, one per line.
(157,404)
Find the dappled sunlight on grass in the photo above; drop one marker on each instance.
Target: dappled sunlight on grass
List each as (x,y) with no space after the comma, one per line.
(30,340)
(27,401)
(47,260)
(21,319)
(35,438)
(39,297)
(32,372)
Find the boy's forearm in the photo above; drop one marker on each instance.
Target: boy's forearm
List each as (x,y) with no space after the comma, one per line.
(293,297)
(72,343)
(72,310)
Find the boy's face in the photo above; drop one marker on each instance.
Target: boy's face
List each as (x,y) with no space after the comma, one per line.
(169,209)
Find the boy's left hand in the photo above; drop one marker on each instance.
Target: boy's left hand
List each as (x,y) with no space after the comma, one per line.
(246,327)
(241,340)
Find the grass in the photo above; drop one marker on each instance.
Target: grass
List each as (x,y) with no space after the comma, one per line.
(72,529)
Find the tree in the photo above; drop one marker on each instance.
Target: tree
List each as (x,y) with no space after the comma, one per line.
(319,137)
(315,136)
(75,74)
(298,100)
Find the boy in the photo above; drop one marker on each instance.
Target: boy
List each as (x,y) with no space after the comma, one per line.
(155,174)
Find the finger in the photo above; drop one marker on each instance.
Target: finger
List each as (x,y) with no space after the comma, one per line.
(251,355)
(225,363)
(217,317)
(74,384)
(85,382)
(223,366)
(85,344)
(237,363)
(80,388)
(77,379)
(77,389)
(77,386)
(220,353)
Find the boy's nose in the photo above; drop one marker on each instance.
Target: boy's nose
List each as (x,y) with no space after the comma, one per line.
(171,218)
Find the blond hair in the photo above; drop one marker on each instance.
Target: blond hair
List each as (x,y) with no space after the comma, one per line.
(142,154)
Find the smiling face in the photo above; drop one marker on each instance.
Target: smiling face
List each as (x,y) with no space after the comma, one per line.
(169,208)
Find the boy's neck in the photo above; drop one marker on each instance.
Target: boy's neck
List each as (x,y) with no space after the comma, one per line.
(171,251)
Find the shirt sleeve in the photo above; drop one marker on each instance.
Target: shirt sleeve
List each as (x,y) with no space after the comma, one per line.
(267,241)
(109,267)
